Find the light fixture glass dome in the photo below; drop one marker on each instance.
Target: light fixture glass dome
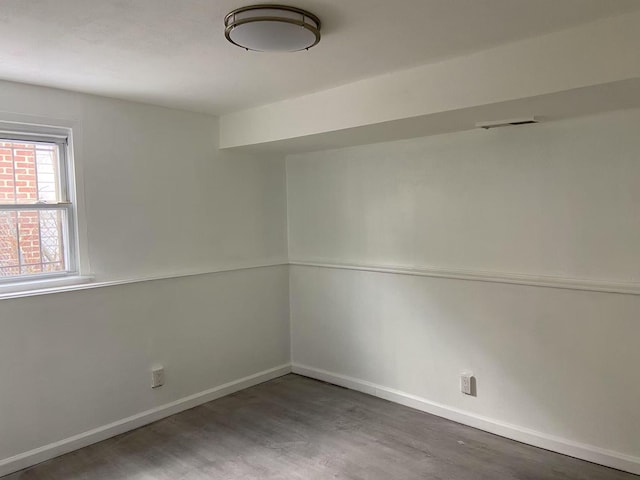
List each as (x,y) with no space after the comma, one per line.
(272,28)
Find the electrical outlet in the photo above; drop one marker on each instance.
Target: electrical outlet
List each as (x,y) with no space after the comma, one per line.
(465,383)
(157,377)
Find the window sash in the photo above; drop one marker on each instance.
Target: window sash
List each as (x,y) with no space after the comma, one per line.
(63,166)
(49,138)
(65,203)
(35,206)
(67,206)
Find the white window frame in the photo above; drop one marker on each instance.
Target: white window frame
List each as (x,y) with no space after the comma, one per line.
(66,183)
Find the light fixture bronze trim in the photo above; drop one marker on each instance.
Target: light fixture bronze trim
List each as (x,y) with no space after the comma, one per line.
(230,21)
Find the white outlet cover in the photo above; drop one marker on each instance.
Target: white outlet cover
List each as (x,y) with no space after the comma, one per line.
(465,382)
(157,377)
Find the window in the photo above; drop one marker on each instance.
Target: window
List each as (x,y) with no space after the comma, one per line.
(37,221)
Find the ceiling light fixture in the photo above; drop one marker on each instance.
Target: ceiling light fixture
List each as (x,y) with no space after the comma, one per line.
(272,28)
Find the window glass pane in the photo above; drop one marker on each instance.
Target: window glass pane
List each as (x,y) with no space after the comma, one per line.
(9,264)
(31,242)
(28,172)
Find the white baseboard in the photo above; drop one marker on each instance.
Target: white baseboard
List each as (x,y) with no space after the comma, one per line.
(47,452)
(582,451)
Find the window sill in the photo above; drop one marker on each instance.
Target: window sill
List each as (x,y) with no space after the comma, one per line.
(43,286)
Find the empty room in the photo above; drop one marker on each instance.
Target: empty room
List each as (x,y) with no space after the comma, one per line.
(323,239)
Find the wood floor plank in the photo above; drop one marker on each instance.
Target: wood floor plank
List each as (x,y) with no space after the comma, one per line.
(297,428)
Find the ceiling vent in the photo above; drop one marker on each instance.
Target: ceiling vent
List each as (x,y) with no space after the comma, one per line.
(506,123)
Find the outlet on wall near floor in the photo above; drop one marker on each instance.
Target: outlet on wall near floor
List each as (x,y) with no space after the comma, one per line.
(466,380)
(157,377)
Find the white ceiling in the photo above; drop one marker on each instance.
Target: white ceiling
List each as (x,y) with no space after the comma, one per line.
(173,52)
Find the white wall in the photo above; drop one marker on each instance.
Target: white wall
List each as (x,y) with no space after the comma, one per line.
(75,361)
(551,199)
(160,197)
(159,200)
(558,199)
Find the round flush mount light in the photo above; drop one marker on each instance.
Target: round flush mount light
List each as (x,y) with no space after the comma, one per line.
(272,28)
